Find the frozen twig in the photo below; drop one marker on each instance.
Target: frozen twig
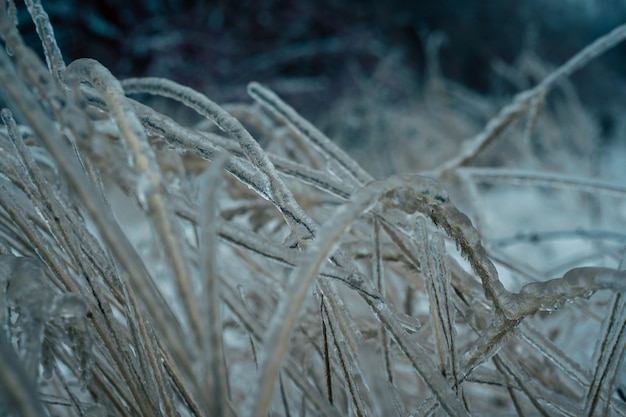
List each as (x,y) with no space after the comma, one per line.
(525,100)
(551,295)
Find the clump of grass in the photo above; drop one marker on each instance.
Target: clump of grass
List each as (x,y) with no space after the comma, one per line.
(283,283)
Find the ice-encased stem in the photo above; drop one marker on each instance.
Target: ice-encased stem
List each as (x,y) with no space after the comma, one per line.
(300,223)
(409,193)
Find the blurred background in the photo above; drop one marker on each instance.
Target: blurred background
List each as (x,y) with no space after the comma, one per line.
(360,70)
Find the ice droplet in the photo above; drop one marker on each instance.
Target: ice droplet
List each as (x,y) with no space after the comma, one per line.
(143,189)
(589,294)
(550,307)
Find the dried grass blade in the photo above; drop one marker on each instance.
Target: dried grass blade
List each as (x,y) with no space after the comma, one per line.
(29,109)
(301,224)
(327,366)
(293,369)
(408,193)
(607,357)
(554,354)
(150,181)
(214,373)
(348,363)
(433,256)
(419,359)
(355,175)
(494,175)
(378,274)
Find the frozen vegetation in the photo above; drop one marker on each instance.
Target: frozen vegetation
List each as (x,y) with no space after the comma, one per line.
(155,268)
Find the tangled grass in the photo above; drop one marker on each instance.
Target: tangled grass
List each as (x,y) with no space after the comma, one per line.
(150,268)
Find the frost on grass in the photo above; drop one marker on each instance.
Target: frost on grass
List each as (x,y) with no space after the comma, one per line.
(285,280)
